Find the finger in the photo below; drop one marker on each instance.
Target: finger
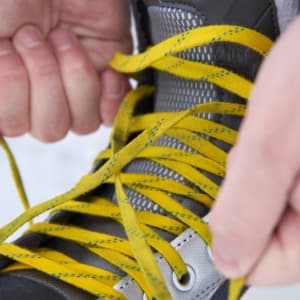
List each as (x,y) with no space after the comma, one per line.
(114,88)
(104,36)
(14,92)
(279,264)
(254,193)
(80,79)
(101,51)
(50,118)
(14,14)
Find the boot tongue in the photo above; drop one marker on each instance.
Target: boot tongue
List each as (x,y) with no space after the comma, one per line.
(168,18)
(173,94)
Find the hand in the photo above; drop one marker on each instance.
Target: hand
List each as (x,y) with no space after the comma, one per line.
(54,74)
(256,219)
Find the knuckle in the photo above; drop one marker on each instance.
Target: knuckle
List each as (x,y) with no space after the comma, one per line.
(46,68)
(79,66)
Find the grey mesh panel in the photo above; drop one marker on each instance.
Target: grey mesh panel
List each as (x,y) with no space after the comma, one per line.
(173,94)
(287,11)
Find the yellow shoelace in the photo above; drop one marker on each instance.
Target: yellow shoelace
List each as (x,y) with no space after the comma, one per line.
(135,256)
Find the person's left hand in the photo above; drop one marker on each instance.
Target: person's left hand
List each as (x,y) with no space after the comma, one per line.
(54,65)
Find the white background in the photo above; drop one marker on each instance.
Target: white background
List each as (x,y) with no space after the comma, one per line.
(49,170)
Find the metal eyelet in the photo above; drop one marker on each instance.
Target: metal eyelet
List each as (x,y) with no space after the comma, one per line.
(188,281)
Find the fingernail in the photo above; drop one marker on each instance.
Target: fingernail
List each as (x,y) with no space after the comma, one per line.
(62,41)
(112,87)
(226,262)
(30,37)
(6,48)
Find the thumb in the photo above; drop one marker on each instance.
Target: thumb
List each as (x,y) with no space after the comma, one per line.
(246,213)
(264,164)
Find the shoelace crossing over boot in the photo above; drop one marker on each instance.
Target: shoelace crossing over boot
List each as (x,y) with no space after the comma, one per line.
(135,228)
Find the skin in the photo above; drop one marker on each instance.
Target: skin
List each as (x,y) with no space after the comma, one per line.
(54,73)
(256,219)
(48,49)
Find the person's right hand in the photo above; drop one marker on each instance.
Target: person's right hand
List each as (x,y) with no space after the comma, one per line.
(256,218)
(54,74)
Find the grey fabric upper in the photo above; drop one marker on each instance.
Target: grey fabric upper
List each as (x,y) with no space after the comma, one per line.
(167,18)
(287,10)
(173,94)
